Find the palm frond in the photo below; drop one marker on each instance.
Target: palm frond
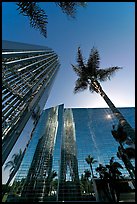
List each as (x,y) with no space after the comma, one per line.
(104,74)
(80,58)
(94,161)
(37,16)
(93,61)
(90,159)
(117,165)
(69,8)
(77,70)
(80,85)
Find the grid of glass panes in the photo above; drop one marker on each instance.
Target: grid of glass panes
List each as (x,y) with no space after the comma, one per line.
(25,74)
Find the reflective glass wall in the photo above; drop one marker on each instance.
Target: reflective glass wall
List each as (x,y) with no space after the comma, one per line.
(63,138)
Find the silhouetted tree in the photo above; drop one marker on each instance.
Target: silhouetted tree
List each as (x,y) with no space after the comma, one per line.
(89,75)
(90,160)
(115,175)
(110,176)
(38,17)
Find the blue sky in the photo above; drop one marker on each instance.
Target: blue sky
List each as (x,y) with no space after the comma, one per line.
(109,26)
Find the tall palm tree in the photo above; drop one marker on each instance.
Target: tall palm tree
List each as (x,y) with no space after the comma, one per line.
(14,164)
(38,17)
(90,160)
(89,75)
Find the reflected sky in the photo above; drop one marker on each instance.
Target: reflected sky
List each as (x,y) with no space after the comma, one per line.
(93,136)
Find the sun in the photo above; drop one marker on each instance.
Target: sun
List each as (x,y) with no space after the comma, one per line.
(109,116)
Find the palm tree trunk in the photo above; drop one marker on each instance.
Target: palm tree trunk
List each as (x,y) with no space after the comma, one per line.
(123,122)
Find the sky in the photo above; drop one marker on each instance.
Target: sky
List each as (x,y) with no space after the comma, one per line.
(109,26)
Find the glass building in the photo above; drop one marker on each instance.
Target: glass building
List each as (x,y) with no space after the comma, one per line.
(28,73)
(63,138)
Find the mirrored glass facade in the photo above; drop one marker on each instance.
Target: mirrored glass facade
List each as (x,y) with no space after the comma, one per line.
(63,138)
(28,72)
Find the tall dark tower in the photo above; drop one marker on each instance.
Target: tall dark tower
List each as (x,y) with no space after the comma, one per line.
(28,73)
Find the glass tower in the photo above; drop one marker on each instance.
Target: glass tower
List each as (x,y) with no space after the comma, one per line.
(28,73)
(69,184)
(63,138)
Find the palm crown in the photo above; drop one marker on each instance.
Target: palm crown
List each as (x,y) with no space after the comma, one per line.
(89,73)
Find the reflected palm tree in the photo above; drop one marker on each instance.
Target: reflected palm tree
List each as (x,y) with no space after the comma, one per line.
(14,164)
(89,74)
(124,154)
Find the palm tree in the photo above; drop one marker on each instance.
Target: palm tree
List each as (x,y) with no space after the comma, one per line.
(110,174)
(115,174)
(38,17)
(90,160)
(14,164)
(89,75)
(113,168)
